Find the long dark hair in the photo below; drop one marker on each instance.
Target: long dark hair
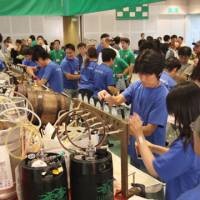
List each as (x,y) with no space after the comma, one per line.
(91,53)
(183,102)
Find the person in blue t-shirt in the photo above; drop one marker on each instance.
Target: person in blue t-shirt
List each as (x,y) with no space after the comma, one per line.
(2,65)
(82,48)
(178,166)
(86,85)
(103,74)
(51,72)
(100,46)
(194,193)
(31,67)
(27,53)
(71,71)
(172,65)
(148,98)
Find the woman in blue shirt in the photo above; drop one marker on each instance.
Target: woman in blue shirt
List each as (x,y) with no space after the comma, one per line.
(194,193)
(179,165)
(86,85)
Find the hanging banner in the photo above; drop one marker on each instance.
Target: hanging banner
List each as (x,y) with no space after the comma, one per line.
(135,12)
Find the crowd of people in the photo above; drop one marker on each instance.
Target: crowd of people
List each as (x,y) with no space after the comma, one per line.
(169,83)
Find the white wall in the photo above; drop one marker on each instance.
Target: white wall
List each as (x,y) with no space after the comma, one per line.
(193,28)
(21,27)
(158,24)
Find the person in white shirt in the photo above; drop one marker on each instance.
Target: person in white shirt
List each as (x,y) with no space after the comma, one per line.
(106,44)
(172,51)
(41,42)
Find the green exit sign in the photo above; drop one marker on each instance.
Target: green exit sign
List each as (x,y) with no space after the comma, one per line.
(173,10)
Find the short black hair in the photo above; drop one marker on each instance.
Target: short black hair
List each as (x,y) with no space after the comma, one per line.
(70,46)
(149,38)
(117,39)
(18,41)
(92,52)
(27,51)
(40,36)
(183,102)
(105,35)
(196,73)
(126,40)
(185,51)
(166,38)
(81,44)
(108,54)
(181,37)
(39,52)
(56,41)
(149,61)
(174,37)
(32,37)
(172,63)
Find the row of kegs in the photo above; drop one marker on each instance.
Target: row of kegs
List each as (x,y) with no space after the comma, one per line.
(50,176)
(47,178)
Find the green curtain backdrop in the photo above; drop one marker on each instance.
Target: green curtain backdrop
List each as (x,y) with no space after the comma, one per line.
(62,7)
(74,7)
(31,7)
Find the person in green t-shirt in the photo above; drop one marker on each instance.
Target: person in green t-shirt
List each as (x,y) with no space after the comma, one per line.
(120,71)
(31,40)
(127,55)
(57,54)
